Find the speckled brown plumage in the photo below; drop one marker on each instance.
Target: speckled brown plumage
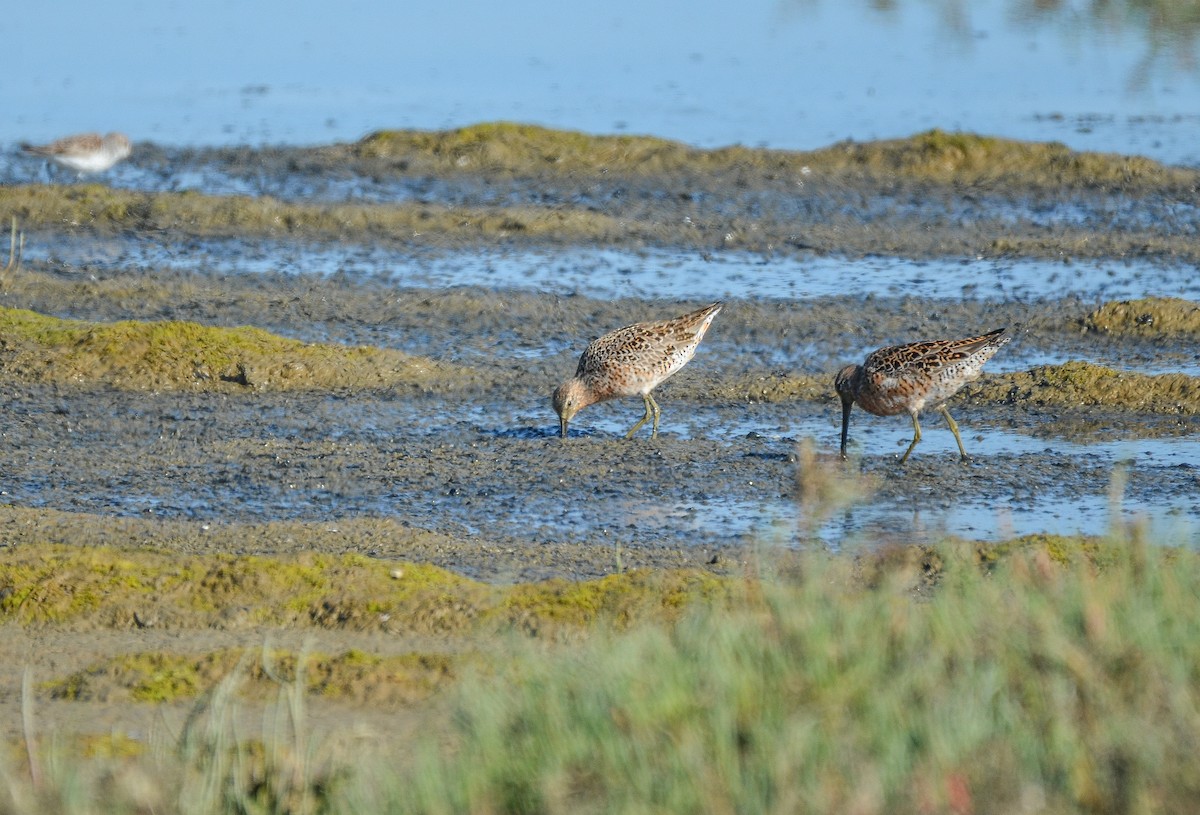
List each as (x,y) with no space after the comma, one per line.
(632,360)
(906,378)
(85,152)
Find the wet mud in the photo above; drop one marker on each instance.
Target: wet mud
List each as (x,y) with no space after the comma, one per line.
(474,454)
(1086,420)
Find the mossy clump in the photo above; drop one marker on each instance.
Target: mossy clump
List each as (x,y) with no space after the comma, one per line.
(107,587)
(1081,384)
(187,356)
(523,148)
(162,677)
(1064,550)
(935,155)
(111,746)
(923,565)
(1149,316)
(620,598)
(370,678)
(101,586)
(55,584)
(146,677)
(190,213)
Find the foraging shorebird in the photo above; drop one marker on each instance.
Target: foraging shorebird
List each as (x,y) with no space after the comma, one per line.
(907,378)
(632,360)
(85,153)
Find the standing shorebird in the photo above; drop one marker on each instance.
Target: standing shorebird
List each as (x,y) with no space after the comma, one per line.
(632,360)
(86,152)
(906,378)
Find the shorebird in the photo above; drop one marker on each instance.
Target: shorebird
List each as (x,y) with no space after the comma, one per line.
(632,360)
(906,378)
(85,153)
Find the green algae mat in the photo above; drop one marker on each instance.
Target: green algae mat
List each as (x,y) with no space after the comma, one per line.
(175,355)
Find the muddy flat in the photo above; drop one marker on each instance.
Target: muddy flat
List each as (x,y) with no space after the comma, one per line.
(1086,419)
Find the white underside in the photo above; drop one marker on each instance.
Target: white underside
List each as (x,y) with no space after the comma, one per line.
(91,163)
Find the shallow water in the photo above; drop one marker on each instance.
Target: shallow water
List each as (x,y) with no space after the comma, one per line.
(646,273)
(783,73)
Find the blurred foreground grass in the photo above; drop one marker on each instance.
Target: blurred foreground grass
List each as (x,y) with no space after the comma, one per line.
(1030,687)
(1023,683)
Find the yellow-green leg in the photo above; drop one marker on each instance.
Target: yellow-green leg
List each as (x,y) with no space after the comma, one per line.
(954,429)
(651,412)
(916,438)
(653,404)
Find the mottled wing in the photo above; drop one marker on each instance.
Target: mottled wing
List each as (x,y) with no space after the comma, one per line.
(681,336)
(910,376)
(639,356)
(614,350)
(924,358)
(83,143)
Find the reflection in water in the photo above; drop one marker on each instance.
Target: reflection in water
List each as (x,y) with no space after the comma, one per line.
(1168,28)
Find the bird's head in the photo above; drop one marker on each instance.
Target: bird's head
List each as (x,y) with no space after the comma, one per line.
(569,398)
(844,382)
